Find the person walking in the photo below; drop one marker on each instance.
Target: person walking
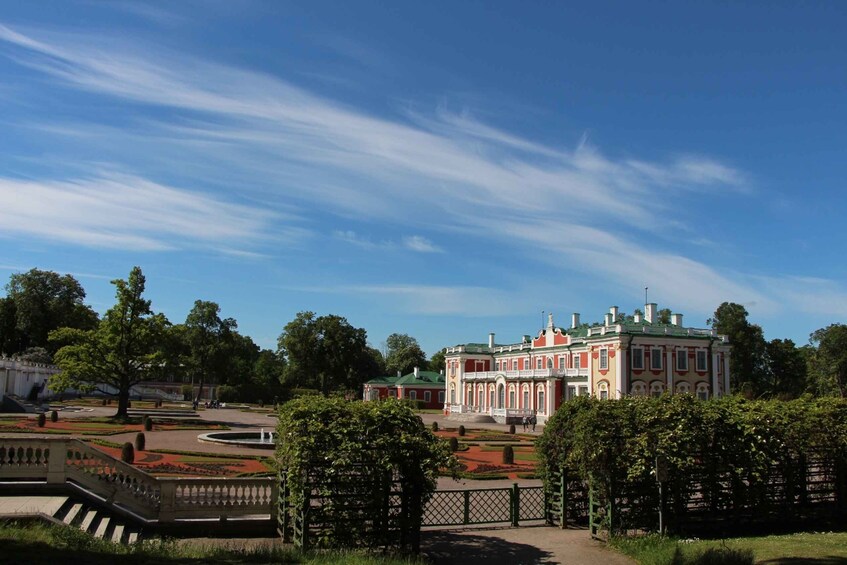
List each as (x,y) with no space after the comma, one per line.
(525,422)
(533,420)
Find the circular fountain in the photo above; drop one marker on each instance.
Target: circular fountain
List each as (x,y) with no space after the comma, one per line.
(257,440)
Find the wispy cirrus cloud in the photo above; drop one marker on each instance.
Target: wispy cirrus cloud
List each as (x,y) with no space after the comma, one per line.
(113,210)
(416,243)
(577,207)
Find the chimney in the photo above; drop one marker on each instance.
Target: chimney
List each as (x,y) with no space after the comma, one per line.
(614,312)
(676,319)
(417,372)
(650,312)
(399,374)
(575,320)
(491,340)
(636,317)
(609,319)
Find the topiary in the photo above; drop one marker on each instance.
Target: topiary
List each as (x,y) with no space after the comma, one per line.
(435,426)
(512,429)
(461,430)
(508,455)
(54,416)
(42,420)
(127,453)
(454,444)
(147,422)
(103,402)
(140,441)
(261,403)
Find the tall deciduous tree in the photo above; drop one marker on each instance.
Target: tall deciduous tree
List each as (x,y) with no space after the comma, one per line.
(37,303)
(123,350)
(209,339)
(828,362)
(325,353)
(403,354)
(785,369)
(437,362)
(747,362)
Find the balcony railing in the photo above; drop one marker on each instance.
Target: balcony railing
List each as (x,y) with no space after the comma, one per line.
(71,461)
(528,374)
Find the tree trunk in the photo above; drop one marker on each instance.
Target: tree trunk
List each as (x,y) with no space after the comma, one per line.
(199,390)
(123,402)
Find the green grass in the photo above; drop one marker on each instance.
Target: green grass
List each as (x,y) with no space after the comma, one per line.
(40,544)
(807,548)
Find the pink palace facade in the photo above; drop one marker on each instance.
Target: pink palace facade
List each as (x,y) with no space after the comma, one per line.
(637,355)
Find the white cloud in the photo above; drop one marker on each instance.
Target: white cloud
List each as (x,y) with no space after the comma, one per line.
(114,210)
(415,243)
(578,208)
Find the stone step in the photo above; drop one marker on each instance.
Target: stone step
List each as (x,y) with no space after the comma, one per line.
(72,514)
(100,533)
(87,522)
(118,533)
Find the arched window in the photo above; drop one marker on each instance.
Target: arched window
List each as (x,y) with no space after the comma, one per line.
(549,362)
(469,395)
(491,397)
(702,391)
(452,394)
(374,394)
(603,389)
(540,407)
(525,397)
(683,387)
(512,397)
(656,388)
(638,389)
(501,396)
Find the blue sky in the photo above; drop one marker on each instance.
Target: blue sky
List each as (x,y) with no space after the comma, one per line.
(442,169)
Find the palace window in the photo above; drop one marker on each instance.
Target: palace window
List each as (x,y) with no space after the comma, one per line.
(604,358)
(656,359)
(577,361)
(702,391)
(701,360)
(583,391)
(511,398)
(637,358)
(540,405)
(539,362)
(441,397)
(525,399)
(683,387)
(656,388)
(562,364)
(638,389)
(571,392)
(682,360)
(603,388)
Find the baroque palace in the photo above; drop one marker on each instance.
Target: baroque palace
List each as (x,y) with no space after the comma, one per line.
(637,355)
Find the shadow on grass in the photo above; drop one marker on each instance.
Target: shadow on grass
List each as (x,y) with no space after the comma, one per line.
(805,561)
(442,547)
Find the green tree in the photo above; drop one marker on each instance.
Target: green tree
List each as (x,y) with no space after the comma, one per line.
(40,302)
(437,362)
(747,363)
(325,353)
(210,343)
(122,351)
(785,369)
(828,362)
(663,316)
(403,354)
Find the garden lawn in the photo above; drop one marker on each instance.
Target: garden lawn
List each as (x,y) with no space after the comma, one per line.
(98,426)
(162,463)
(812,548)
(480,461)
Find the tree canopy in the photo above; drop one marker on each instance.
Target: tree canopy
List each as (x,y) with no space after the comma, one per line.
(37,303)
(325,353)
(828,362)
(123,350)
(403,354)
(209,340)
(747,362)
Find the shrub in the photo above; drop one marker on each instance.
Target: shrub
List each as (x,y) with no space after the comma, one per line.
(508,455)
(54,416)
(42,420)
(461,430)
(140,441)
(187,392)
(454,444)
(435,426)
(147,421)
(512,429)
(127,453)
(228,393)
(103,401)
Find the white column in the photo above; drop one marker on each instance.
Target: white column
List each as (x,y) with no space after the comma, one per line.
(619,369)
(714,375)
(669,369)
(726,373)
(590,372)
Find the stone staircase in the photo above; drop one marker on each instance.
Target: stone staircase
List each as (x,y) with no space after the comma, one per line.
(96,522)
(472,418)
(70,512)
